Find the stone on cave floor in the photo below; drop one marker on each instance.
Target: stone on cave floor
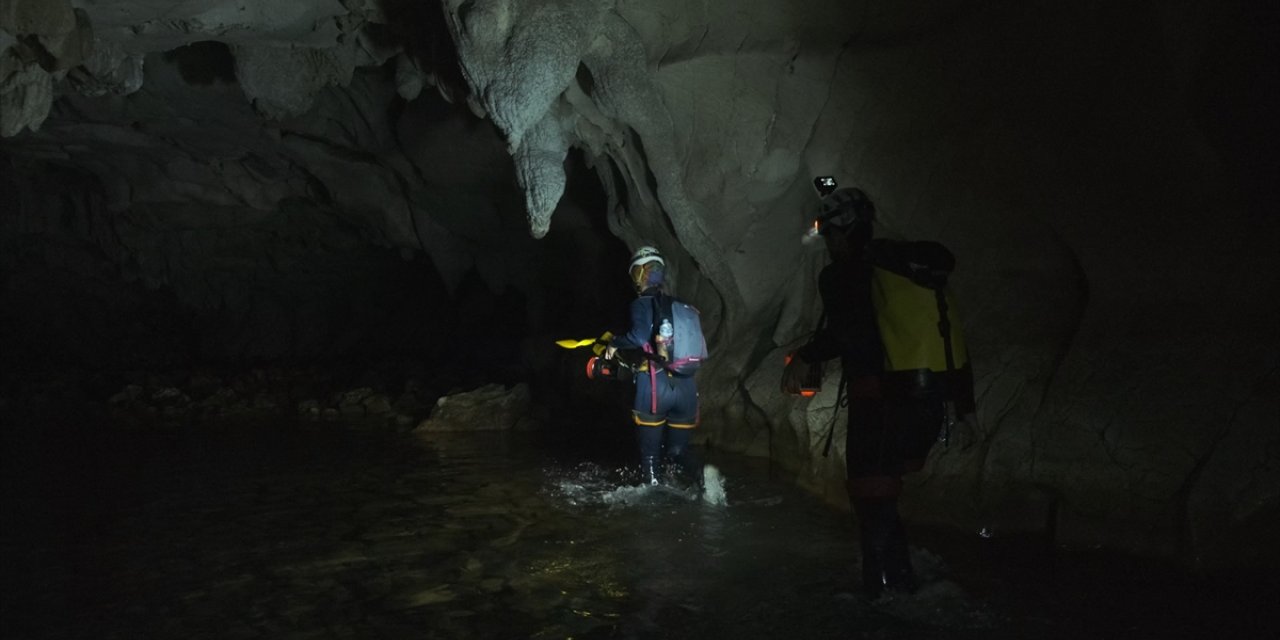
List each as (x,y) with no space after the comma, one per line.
(489,408)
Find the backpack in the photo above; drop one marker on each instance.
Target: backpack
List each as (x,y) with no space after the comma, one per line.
(909,293)
(915,312)
(678,338)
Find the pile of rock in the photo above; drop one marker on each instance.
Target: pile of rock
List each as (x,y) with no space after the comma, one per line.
(367,402)
(308,394)
(489,408)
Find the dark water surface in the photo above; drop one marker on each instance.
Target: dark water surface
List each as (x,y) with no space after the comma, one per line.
(325,530)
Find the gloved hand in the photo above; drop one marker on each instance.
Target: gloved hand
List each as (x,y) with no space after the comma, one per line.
(602,348)
(794,374)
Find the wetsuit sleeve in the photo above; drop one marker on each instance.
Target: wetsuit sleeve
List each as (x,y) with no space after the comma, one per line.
(850,332)
(641,325)
(823,346)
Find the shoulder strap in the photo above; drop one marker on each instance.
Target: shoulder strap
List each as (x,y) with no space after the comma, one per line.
(925,263)
(661,310)
(944,327)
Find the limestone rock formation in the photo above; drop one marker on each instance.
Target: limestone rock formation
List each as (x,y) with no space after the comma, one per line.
(736,110)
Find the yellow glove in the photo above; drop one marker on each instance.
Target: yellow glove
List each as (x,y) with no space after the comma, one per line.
(602,343)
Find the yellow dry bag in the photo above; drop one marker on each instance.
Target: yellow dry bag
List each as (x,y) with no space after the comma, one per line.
(909,316)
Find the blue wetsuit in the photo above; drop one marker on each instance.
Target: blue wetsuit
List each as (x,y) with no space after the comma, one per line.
(666,404)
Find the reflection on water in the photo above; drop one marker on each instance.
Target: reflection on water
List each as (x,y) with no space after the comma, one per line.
(333,531)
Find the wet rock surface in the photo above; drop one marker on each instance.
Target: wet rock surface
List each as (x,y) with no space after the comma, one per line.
(398,394)
(489,408)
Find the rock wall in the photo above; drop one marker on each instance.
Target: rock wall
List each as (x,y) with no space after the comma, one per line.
(1103,173)
(1109,254)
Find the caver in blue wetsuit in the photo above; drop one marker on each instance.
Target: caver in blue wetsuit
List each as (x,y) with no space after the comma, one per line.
(666,403)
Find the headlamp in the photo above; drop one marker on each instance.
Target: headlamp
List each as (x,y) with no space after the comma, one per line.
(811,234)
(825,185)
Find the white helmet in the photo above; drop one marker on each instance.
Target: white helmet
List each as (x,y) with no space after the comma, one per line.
(645,255)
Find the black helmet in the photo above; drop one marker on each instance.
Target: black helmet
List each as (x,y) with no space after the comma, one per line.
(843,210)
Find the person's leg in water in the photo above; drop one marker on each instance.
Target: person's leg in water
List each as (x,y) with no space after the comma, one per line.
(650,419)
(682,453)
(914,412)
(875,482)
(682,418)
(886,562)
(649,441)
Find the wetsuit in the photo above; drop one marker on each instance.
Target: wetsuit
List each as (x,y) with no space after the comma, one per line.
(890,420)
(666,404)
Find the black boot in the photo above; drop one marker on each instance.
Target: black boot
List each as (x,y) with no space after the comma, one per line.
(873,534)
(691,472)
(872,569)
(688,463)
(898,574)
(886,563)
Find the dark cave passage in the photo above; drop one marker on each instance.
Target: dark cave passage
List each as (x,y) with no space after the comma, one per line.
(203,304)
(250,252)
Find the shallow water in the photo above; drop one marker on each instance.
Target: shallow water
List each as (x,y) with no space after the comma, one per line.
(327,530)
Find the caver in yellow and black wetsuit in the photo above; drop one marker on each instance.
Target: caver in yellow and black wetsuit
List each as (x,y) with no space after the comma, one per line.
(666,403)
(883,327)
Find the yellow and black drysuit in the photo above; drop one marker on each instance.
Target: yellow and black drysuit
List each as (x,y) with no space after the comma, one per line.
(884,328)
